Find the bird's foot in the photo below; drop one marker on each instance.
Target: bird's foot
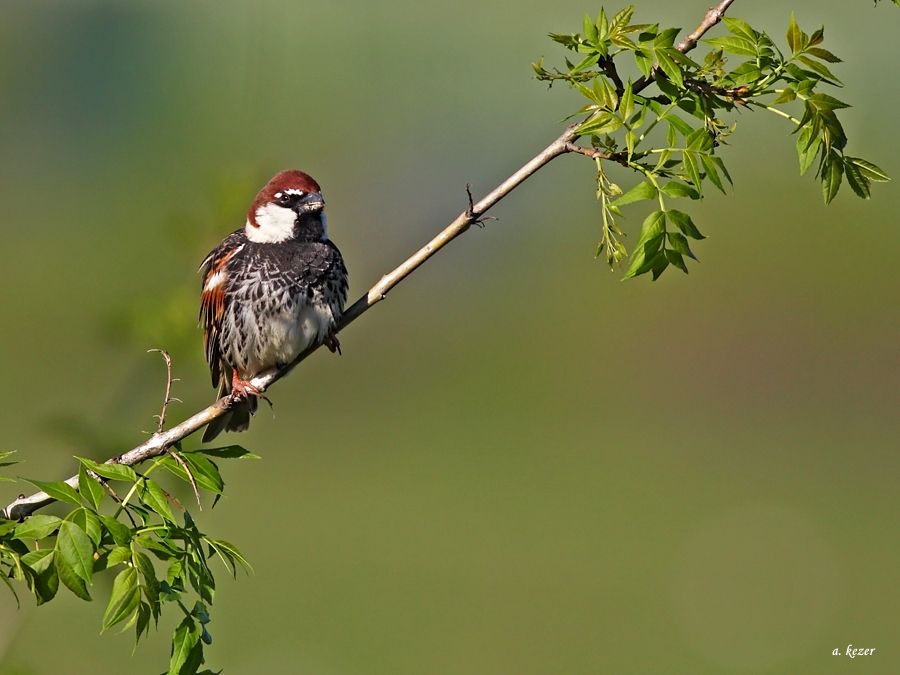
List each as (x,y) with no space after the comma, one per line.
(243,388)
(332,343)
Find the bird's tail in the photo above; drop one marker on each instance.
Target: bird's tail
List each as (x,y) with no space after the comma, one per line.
(236,419)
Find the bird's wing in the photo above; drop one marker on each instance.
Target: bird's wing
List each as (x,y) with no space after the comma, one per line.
(213,299)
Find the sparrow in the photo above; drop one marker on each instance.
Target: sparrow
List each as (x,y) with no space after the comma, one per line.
(271,290)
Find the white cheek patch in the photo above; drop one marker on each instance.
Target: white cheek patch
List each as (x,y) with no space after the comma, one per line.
(275,224)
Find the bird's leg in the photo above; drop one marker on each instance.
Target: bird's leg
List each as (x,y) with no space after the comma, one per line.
(242,388)
(332,343)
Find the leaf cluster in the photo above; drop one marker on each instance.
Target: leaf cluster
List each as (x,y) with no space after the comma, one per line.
(673,136)
(123,522)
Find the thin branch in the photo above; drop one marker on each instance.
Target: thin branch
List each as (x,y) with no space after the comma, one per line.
(161,441)
(167,398)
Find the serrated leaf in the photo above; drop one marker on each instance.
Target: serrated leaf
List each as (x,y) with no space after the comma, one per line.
(154,497)
(75,550)
(626,105)
(711,172)
(124,599)
(88,521)
(794,35)
(37,527)
(642,190)
(227,452)
(59,490)
(823,54)
(857,182)
(653,227)
(684,223)
(734,45)
(151,584)
(118,555)
(869,170)
(669,67)
(186,638)
(819,68)
(680,243)
(807,148)
(89,488)
(832,171)
(786,96)
(674,257)
(120,533)
(739,28)
(110,471)
(690,160)
(677,189)
(45,581)
(205,472)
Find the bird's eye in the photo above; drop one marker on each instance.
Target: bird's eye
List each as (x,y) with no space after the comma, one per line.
(284,199)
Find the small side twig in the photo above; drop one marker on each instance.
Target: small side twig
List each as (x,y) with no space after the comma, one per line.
(168,398)
(178,458)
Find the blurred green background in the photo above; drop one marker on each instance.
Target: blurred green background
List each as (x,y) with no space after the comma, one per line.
(520,464)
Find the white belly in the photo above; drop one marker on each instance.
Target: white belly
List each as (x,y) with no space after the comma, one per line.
(285,335)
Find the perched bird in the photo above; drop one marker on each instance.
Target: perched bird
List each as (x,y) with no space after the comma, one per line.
(270,290)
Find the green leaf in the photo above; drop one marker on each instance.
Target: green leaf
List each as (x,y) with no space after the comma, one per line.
(124,599)
(823,54)
(154,497)
(824,102)
(74,551)
(230,553)
(626,105)
(186,638)
(110,471)
(832,170)
(690,164)
(227,452)
(680,243)
(807,147)
(143,621)
(148,572)
(59,490)
(205,472)
(740,28)
(88,521)
(711,172)
(786,96)
(120,533)
(45,581)
(684,223)
(669,67)
(118,555)
(674,257)
(37,526)
(677,189)
(794,36)
(857,182)
(733,45)
(642,190)
(89,488)
(599,124)
(869,170)
(653,226)
(819,68)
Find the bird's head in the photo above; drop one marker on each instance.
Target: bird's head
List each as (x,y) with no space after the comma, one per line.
(290,206)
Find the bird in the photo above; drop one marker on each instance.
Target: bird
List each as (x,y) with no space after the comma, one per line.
(270,290)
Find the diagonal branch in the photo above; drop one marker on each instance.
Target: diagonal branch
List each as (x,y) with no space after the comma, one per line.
(161,441)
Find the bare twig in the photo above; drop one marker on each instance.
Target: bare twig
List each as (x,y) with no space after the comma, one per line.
(161,441)
(178,458)
(167,398)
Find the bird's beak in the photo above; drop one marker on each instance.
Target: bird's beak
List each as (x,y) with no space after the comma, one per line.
(311,203)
